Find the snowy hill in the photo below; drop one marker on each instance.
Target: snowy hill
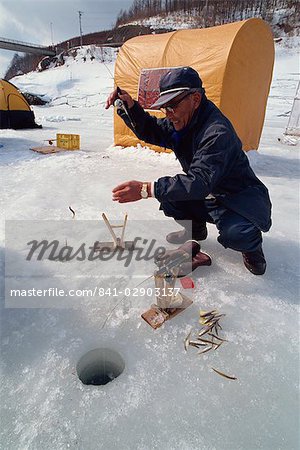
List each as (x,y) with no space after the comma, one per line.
(80,81)
(165,398)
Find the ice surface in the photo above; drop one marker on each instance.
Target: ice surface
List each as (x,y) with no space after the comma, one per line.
(165,398)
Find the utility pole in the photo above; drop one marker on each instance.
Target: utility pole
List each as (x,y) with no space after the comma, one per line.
(51,30)
(80,28)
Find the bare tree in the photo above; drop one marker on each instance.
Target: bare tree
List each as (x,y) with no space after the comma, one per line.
(210,12)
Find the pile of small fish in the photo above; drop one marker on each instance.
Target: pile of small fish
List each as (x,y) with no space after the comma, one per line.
(208,337)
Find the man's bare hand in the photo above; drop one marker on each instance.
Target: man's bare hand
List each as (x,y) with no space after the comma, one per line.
(123,96)
(130,191)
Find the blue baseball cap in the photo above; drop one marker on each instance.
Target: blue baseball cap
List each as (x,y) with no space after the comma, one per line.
(175,82)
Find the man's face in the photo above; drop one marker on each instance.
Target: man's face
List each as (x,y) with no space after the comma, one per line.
(180,111)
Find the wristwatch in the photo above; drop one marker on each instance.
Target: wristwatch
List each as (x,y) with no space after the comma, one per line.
(144,191)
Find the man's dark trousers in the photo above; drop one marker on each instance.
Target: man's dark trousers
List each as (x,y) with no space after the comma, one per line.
(235,231)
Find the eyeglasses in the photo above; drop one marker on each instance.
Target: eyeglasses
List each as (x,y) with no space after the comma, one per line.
(171,108)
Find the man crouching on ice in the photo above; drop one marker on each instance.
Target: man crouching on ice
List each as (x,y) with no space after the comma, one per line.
(218,186)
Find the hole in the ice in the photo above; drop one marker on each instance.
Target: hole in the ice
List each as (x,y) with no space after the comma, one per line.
(100,366)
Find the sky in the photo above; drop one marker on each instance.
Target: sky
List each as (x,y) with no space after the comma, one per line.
(29,20)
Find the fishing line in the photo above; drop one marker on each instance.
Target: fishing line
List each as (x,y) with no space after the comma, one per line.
(118,103)
(123,298)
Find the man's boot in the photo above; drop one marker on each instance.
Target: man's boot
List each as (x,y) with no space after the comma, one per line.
(192,250)
(199,233)
(255,261)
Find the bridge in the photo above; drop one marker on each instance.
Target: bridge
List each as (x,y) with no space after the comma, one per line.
(25,47)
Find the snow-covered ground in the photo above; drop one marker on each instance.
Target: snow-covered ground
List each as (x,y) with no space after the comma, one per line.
(165,398)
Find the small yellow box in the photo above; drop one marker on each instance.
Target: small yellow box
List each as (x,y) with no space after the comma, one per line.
(68,141)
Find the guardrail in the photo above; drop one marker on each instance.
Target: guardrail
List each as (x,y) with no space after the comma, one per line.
(13,41)
(12,44)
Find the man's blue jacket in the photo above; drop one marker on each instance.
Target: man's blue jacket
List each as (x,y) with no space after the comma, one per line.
(212,158)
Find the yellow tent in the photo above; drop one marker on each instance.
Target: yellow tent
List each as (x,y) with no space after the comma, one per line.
(235,62)
(15,111)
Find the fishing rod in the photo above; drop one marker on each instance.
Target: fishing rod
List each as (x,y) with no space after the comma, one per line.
(118,103)
(121,105)
(166,269)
